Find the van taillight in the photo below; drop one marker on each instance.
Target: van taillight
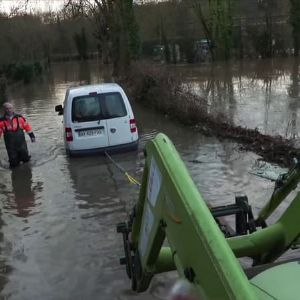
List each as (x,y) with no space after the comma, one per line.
(69,135)
(132,125)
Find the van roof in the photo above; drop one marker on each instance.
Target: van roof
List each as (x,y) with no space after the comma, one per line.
(99,88)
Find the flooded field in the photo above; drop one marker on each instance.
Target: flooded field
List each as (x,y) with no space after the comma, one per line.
(58,215)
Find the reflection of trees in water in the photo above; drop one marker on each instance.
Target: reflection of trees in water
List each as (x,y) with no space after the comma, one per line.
(268,100)
(41,88)
(266,74)
(267,69)
(5,269)
(91,72)
(102,191)
(276,73)
(223,99)
(21,197)
(291,129)
(91,180)
(294,103)
(219,96)
(84,72)
(227,84)
(24,192)
(294,88)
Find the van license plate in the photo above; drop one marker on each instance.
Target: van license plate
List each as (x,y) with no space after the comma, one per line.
(91,132)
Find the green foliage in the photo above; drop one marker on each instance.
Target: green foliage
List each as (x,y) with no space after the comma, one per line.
(132,32)
(221,26)
(21,72)
(217,24)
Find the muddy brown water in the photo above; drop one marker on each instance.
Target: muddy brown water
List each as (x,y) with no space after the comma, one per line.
(58,215)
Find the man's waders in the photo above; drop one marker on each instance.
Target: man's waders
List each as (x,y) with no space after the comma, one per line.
(16,147)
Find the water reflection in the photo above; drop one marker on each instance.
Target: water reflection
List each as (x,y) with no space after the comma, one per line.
(102,197)
(294,103)
(223,96)
(267,103)
(5,248)
(23,190)
(5,269)
(294,87)
(260,95)
(84,72)
(101,189)
(70,249)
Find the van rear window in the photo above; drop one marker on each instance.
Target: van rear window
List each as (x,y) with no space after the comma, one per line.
(98,107)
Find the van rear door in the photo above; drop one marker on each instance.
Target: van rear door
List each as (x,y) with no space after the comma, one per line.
(117,117)
(90,126)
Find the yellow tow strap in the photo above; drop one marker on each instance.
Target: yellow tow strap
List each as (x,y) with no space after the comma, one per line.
(129,177)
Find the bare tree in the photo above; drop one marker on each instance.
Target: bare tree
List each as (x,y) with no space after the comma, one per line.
(115,29)
(17,7)
(217,25)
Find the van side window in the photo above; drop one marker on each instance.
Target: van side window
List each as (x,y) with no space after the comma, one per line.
(113,105)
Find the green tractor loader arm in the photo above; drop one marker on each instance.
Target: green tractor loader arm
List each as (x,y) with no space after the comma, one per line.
(172,228)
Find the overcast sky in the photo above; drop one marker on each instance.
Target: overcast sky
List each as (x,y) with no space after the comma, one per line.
(36,5)
(33,5)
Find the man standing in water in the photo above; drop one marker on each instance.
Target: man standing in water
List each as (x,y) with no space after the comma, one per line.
(12,126)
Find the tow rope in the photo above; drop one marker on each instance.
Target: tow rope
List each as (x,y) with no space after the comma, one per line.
(129,177)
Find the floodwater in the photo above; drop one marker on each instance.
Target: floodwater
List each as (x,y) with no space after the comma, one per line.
(58,215)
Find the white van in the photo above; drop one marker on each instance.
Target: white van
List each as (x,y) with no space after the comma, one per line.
(98,118)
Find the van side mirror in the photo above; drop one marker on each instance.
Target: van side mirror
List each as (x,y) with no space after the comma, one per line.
(59,109)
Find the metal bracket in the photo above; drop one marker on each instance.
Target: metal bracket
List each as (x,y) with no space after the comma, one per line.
(244,220)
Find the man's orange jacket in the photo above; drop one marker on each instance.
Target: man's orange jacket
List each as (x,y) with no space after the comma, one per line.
(11,125)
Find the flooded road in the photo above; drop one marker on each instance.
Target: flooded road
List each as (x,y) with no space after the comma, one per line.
(58,215)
